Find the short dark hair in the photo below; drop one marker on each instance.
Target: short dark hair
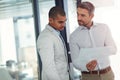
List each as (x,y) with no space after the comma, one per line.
(86,5)
(54,11)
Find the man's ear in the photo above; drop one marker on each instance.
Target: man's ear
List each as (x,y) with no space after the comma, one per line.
(50,20)
(92,15)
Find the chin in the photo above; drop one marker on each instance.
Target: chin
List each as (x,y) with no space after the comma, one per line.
(80,24)
(61,29)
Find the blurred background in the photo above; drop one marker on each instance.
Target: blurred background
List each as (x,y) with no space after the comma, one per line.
(18,32)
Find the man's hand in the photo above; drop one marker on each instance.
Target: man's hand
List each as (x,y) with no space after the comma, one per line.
(91,65)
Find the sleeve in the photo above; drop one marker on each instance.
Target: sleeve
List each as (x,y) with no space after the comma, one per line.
(45,48)
(74,51)
(109,42)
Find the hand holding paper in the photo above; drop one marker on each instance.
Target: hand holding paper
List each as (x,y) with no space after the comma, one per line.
(91,65)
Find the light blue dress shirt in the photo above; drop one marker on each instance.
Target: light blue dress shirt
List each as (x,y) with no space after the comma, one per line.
(89,44)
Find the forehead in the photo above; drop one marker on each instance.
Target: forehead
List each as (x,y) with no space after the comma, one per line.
(62,18)
(82,11)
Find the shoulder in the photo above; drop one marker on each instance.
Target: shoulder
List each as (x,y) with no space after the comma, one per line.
(102,25)
(75,35)
(75,32)
(44,36)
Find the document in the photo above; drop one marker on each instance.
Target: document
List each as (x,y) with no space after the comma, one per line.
(98,53)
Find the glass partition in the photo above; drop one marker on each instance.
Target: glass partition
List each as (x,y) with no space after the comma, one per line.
(18,55)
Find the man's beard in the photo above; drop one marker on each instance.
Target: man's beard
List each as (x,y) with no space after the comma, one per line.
(81,23)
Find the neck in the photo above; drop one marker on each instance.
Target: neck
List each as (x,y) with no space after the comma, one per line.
(89,25)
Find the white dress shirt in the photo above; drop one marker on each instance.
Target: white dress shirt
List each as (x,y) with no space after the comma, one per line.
(89,44)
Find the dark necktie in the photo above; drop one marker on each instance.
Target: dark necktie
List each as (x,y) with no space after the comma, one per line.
(65,50)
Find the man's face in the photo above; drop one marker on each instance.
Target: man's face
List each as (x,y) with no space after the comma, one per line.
(83,16)
(58,22)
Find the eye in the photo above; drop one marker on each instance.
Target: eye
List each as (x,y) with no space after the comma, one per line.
(82,15)
(61,22)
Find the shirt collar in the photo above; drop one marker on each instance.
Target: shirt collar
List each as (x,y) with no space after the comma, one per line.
(84,28)
(53,30)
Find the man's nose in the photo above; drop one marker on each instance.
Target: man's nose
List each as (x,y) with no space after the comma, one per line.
(79,17)
(63,24)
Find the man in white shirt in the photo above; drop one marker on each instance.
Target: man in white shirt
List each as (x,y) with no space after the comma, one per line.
(91,44)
